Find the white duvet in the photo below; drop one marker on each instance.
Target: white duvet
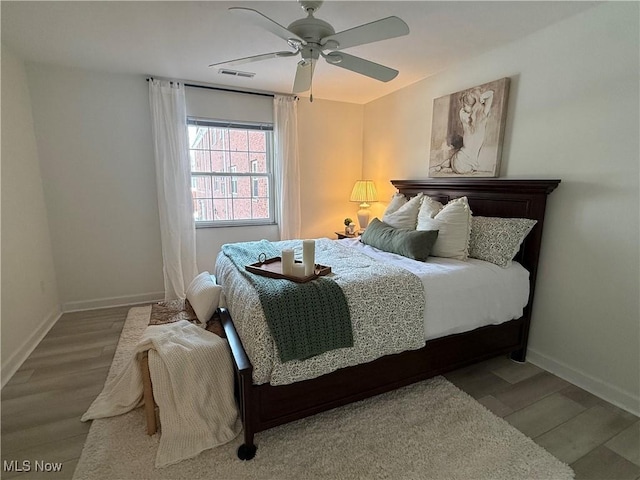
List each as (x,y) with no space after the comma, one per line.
(461,295)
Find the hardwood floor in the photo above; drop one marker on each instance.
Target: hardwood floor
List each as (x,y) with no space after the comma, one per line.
(598,440)
(43,402)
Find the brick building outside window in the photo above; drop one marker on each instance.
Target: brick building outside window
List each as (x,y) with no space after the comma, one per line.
(231,173)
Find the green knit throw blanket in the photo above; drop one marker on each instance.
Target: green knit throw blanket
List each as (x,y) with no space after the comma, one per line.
(305,319)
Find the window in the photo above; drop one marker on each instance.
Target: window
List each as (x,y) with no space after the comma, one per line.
(231,173)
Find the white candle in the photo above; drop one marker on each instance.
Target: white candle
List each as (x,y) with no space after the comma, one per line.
(309,256)
(298,270)
(287,261)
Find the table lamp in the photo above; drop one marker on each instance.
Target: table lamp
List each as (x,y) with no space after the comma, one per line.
(364,191)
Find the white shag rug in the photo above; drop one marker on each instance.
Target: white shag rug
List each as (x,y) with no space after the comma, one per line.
(429,430)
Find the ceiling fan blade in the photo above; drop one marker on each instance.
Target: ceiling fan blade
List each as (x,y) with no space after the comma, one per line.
(255,58)
(361,66)
(383,29)
(261,20)
(304,75)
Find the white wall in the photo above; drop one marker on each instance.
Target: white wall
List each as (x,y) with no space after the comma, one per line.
(29,290)
(94,137)
(573,115)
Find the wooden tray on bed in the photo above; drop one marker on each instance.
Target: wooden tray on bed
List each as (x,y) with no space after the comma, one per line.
(272,267)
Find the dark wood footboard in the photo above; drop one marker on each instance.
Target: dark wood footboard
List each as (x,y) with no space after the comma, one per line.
(266,406)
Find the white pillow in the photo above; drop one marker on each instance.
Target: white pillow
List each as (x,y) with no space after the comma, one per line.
(397,201)
(204,295)
(406,216)
(453,222)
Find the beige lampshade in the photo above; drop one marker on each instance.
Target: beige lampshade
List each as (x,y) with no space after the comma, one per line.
(364,191)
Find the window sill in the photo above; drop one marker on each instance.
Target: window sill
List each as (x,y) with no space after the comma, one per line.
(200,225)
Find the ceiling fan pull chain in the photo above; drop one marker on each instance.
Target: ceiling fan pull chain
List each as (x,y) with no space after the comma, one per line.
(311,83)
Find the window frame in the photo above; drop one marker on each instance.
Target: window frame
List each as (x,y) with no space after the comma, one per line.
(234,180)
(231,175)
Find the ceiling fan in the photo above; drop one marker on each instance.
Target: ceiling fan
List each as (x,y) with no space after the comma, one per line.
(312,38)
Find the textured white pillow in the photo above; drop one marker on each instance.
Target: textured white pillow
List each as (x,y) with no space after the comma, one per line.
(453,222)
(406,216)
(397,201)
(204,295)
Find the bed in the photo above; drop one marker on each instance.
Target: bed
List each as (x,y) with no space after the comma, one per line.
(266,404)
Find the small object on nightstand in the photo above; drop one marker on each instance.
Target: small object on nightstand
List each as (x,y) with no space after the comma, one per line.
(342,235)
(349,226)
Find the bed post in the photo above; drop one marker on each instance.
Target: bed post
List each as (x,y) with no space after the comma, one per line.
(247,450)
(244,386)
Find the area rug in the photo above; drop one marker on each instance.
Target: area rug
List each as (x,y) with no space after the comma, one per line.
(429,430)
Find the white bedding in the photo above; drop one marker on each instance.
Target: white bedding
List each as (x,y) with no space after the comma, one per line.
(461,295)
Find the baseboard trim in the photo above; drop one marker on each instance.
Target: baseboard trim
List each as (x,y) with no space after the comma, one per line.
(612,394)
(14,362)
(112,302)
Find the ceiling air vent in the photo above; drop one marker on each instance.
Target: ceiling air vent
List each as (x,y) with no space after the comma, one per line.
(236,73)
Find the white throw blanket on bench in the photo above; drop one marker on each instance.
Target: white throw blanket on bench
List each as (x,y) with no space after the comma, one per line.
(192,378)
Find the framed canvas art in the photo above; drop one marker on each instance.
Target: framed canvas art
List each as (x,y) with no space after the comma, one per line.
(467,131)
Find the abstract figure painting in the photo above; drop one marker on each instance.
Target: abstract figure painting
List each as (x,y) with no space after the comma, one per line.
(467,131)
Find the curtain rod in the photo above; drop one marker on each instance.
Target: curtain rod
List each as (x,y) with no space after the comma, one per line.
(207,87)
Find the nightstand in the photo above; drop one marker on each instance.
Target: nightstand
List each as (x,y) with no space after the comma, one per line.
(342,235)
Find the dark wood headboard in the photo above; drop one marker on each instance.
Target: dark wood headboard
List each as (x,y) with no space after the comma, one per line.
(495,197)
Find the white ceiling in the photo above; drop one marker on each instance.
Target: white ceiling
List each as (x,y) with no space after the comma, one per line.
(180,39)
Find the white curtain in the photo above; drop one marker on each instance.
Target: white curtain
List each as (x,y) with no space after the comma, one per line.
(173,178)
(287,166)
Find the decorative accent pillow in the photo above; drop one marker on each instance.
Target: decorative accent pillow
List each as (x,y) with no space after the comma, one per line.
(204,295)
(406,216)
(397,201)
(405,242)
(497,240)
(453,222)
